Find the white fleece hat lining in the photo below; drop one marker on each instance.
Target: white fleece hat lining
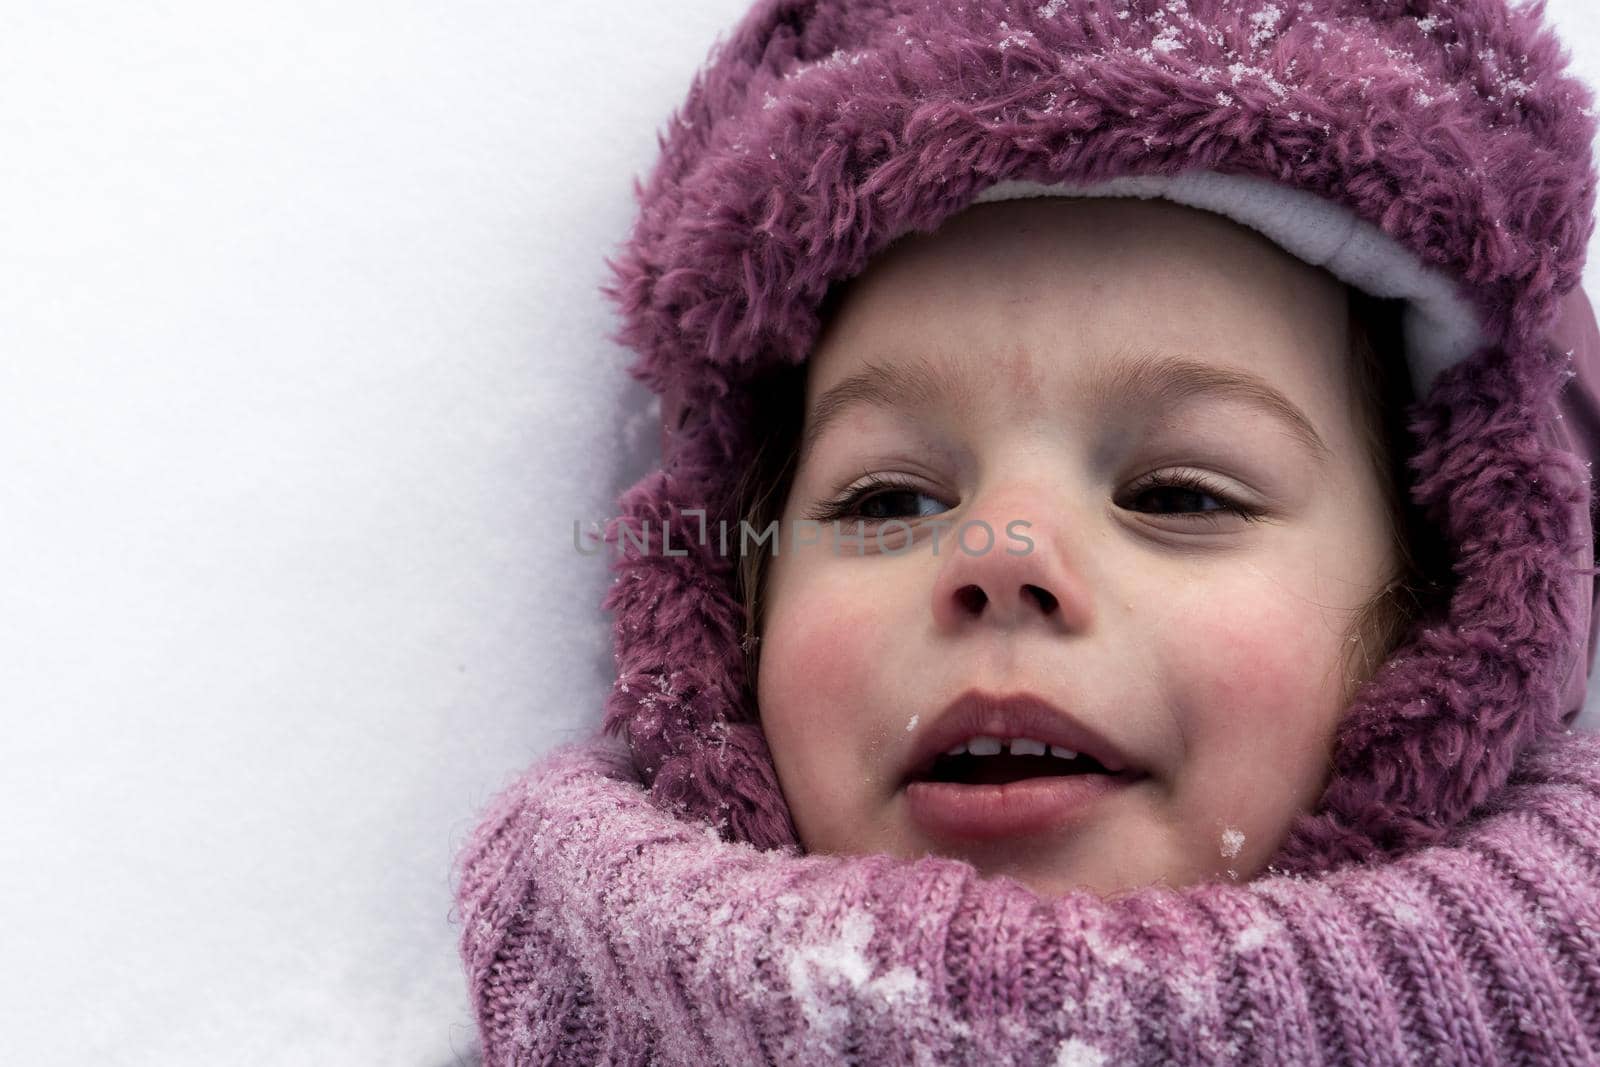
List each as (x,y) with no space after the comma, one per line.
(1440,327)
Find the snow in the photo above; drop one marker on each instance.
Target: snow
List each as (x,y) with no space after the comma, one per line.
(835,60)
(1232,842)
(833,981)
(1404,913)
(1167,40)
(1195,991)
(1114,953)
(1237,71)
(1013,37)
(1077,1053)
(1265,22)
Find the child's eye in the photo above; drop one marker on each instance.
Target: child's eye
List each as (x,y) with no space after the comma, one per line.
(1183,487)
(883,498)
(878,500)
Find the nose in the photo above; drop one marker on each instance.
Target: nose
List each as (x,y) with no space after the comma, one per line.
(1007,581)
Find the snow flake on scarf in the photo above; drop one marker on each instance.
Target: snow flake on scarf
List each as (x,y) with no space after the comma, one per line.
(833,981)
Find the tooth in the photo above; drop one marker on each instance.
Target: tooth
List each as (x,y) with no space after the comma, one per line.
(1064,753)
(984,746)
(1026,746)
(957,750)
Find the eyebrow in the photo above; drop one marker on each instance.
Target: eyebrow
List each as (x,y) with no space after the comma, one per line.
(1151,378)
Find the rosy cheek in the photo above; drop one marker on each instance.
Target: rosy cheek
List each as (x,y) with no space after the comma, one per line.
(1257,705)
(1242,675)
(814,643)
(821,689)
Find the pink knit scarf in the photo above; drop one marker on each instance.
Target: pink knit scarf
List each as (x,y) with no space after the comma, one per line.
(599,928)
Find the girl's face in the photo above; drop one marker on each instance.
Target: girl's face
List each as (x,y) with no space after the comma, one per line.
(1081,366)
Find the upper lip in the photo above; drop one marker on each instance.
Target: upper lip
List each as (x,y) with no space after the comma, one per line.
(978,714)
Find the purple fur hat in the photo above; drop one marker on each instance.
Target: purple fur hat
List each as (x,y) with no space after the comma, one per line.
(1428,150)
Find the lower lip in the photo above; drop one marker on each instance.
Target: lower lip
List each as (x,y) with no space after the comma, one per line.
(1032,805)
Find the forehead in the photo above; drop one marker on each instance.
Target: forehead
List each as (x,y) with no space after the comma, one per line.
(1036,301)
(1149,381)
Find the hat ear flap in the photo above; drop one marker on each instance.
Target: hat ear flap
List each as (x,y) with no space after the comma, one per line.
(1438,729)
(1576,339)
(730,782)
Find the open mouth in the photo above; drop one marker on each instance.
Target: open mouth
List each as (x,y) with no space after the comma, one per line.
(988,788)
(997,763)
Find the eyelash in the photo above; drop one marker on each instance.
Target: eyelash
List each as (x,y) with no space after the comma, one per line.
(845,507)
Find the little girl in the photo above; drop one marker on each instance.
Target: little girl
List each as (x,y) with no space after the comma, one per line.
(1121,573)
(1170,407)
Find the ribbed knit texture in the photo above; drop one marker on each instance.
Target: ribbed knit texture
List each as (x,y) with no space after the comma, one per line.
(599,930)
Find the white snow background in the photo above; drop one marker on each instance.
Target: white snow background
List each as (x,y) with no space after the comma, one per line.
(304,380)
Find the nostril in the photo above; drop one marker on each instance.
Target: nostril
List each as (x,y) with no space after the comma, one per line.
(1046,599)
(972,598)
